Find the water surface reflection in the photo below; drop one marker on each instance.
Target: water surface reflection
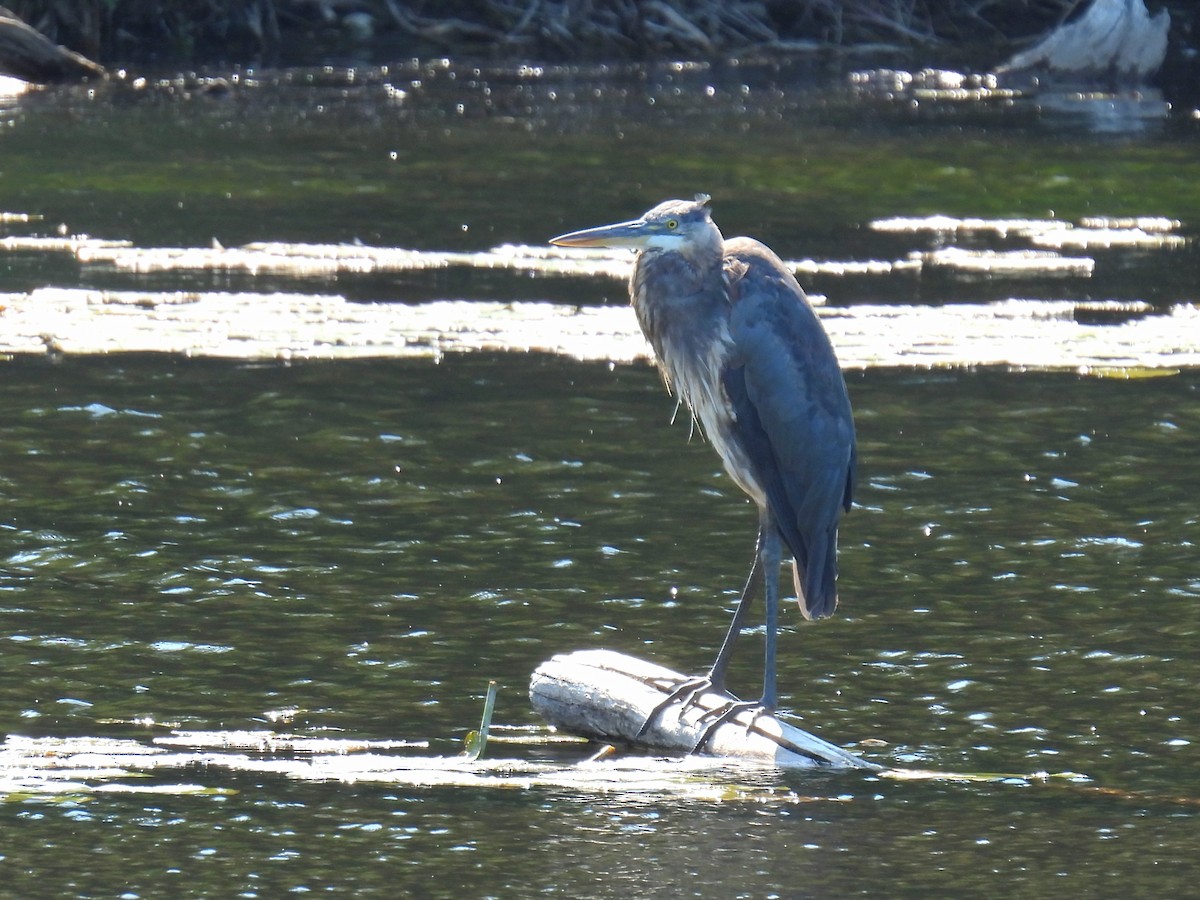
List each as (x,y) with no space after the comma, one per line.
(369,542)
(313,531)
(364,544)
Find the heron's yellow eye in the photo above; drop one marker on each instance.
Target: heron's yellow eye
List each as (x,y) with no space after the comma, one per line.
(672,224)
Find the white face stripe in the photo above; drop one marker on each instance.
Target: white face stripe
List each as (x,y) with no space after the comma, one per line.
(666,241)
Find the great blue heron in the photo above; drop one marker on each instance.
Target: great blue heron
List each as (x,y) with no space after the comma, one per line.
(737,340)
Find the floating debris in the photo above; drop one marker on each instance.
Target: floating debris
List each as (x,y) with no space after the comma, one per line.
(950,224)
(303,260)
(1008,262)
(270,742)
(74,243)
(1018,334)
(1085,337)
(85,765)
(1091,238)
(1101,232)
(1137,227)
(325,260)
(853,267)
(929,84)
(1145,223)
(75,767)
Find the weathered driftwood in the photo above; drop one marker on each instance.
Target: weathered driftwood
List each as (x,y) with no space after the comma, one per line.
(31,56)
(1115,40)
(607,696)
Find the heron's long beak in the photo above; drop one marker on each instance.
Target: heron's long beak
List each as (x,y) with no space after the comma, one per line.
(632,234)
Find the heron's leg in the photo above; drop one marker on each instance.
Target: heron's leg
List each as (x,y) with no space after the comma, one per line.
(770,558)
(720,666)
(715,679)
(767,567)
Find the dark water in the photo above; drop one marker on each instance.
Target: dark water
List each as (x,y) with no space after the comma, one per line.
(367,544)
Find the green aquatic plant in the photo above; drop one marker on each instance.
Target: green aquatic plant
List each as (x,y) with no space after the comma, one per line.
(476,741)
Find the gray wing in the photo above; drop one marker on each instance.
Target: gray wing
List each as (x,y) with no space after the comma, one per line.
(793,416)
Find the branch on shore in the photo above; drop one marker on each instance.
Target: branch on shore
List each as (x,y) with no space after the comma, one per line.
(31,56)
(568,29)
(1115,40)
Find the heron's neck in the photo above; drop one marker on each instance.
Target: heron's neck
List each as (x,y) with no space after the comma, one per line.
(679,299)
(685,269)
(683,309)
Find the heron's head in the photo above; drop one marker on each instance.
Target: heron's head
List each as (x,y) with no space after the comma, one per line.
(685,226)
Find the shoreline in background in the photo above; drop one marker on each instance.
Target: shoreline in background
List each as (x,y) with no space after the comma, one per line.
(289,32)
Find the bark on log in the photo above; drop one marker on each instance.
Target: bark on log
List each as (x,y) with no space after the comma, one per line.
(28,54)
(1115,40)
(606,696)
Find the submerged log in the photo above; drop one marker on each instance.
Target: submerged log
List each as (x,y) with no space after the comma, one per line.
(607,696)
(1115,40)
(28,54)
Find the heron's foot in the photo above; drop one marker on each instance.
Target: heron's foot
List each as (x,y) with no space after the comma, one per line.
(685,695)
(725,713)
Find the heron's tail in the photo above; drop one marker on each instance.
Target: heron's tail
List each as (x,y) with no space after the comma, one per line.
(816,583)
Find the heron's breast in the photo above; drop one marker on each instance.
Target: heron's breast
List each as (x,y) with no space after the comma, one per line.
(697,372)
(684,313)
